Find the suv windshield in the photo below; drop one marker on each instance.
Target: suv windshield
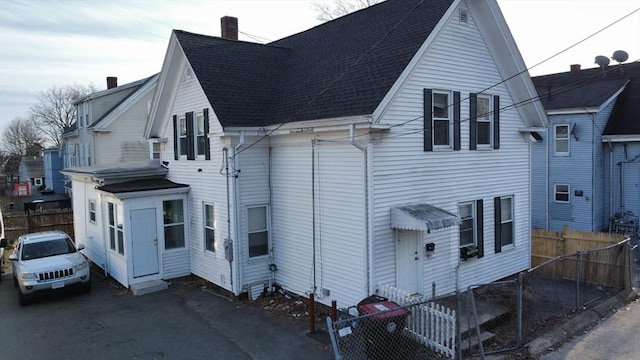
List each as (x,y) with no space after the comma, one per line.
(47,248)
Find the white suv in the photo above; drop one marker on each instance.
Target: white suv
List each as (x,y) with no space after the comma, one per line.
(48,261)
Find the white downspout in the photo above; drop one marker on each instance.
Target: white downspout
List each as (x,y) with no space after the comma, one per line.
(236,191)
(369,241)
(546,167)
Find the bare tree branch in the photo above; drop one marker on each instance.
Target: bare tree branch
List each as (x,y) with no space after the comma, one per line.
(329,11)
(56,109)
(23,137)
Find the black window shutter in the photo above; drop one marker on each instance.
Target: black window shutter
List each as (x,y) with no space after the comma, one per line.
(428,120)
(480,227)
(456,120)
(207,153)
(473,121)
(498,221)
(176,155)
(496,122)
(191,154)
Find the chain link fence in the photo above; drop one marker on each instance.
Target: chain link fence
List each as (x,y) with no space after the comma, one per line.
(486,318)
(573,283)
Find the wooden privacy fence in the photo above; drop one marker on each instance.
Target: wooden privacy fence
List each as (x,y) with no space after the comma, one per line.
(20,223)
(428,323)
(580,255)
(547,244)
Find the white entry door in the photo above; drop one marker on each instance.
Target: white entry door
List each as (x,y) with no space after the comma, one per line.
(408,263)
(144,240)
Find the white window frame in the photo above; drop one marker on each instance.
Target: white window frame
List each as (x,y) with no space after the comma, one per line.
(465,220)
(37,181)
(504,221)
(260,230)
(92,211)
(561,139)
(448,119)
(560,192)
(484,116)
(208,227)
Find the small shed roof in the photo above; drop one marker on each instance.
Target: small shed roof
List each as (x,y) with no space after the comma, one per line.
(423,217)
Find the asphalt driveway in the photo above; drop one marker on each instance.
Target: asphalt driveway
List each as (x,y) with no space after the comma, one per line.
(183,322)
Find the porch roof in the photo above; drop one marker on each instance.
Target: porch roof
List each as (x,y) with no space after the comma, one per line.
(140,185)
(424,217)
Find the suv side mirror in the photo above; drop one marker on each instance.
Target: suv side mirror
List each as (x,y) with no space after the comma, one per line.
(3,243)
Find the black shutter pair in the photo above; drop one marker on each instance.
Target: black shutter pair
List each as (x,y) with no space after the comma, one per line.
(473,121)
(191,151)
(428,120)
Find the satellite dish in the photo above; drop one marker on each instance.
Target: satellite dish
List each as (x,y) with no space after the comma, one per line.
(603,61)
(620,56)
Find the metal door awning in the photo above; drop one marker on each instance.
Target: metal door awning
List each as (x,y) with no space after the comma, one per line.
(422,217)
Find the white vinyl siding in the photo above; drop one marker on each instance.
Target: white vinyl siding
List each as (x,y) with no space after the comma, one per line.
(210,185)
(405,174)
(340,242)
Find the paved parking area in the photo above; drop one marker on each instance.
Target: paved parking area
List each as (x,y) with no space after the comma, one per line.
(184,322)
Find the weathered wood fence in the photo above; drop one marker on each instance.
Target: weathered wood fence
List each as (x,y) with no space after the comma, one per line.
(19,223)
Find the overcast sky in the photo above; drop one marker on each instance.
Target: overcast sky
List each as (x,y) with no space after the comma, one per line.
(55,43)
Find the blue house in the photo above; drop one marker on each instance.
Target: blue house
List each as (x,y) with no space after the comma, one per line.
(586,166)
(53,179)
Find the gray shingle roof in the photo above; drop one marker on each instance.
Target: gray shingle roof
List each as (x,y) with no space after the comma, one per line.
(340,68)
(591,88)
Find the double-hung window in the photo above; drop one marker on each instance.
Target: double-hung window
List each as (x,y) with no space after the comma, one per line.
(92,211)
(472,225)
(504,231)
(561,144)
(191,135)
(258,230)
(467,223)
(441,120)
(209,228)
(561,193)
(484,121)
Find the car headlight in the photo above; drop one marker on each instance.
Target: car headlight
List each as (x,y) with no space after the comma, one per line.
(81,266)
(28,276)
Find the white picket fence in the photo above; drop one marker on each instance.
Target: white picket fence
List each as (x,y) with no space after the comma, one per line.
(428,323)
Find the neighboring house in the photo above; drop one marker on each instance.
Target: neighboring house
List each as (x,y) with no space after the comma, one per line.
(53,163)
(31,172)
(587,167)
(373,149)
(109,126)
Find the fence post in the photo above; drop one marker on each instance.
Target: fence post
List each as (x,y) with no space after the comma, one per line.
(312,314)
(519,311)
(578,265)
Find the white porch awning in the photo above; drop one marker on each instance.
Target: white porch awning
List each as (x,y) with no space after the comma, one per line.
(422,217)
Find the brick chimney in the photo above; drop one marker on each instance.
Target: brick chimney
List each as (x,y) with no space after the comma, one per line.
(575,68)
(112,82)
(229,27)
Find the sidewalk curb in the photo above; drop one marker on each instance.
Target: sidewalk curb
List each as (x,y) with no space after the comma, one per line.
(580,323)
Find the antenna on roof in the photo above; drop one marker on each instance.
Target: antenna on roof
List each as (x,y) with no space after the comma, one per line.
(620,56)
(603,62)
